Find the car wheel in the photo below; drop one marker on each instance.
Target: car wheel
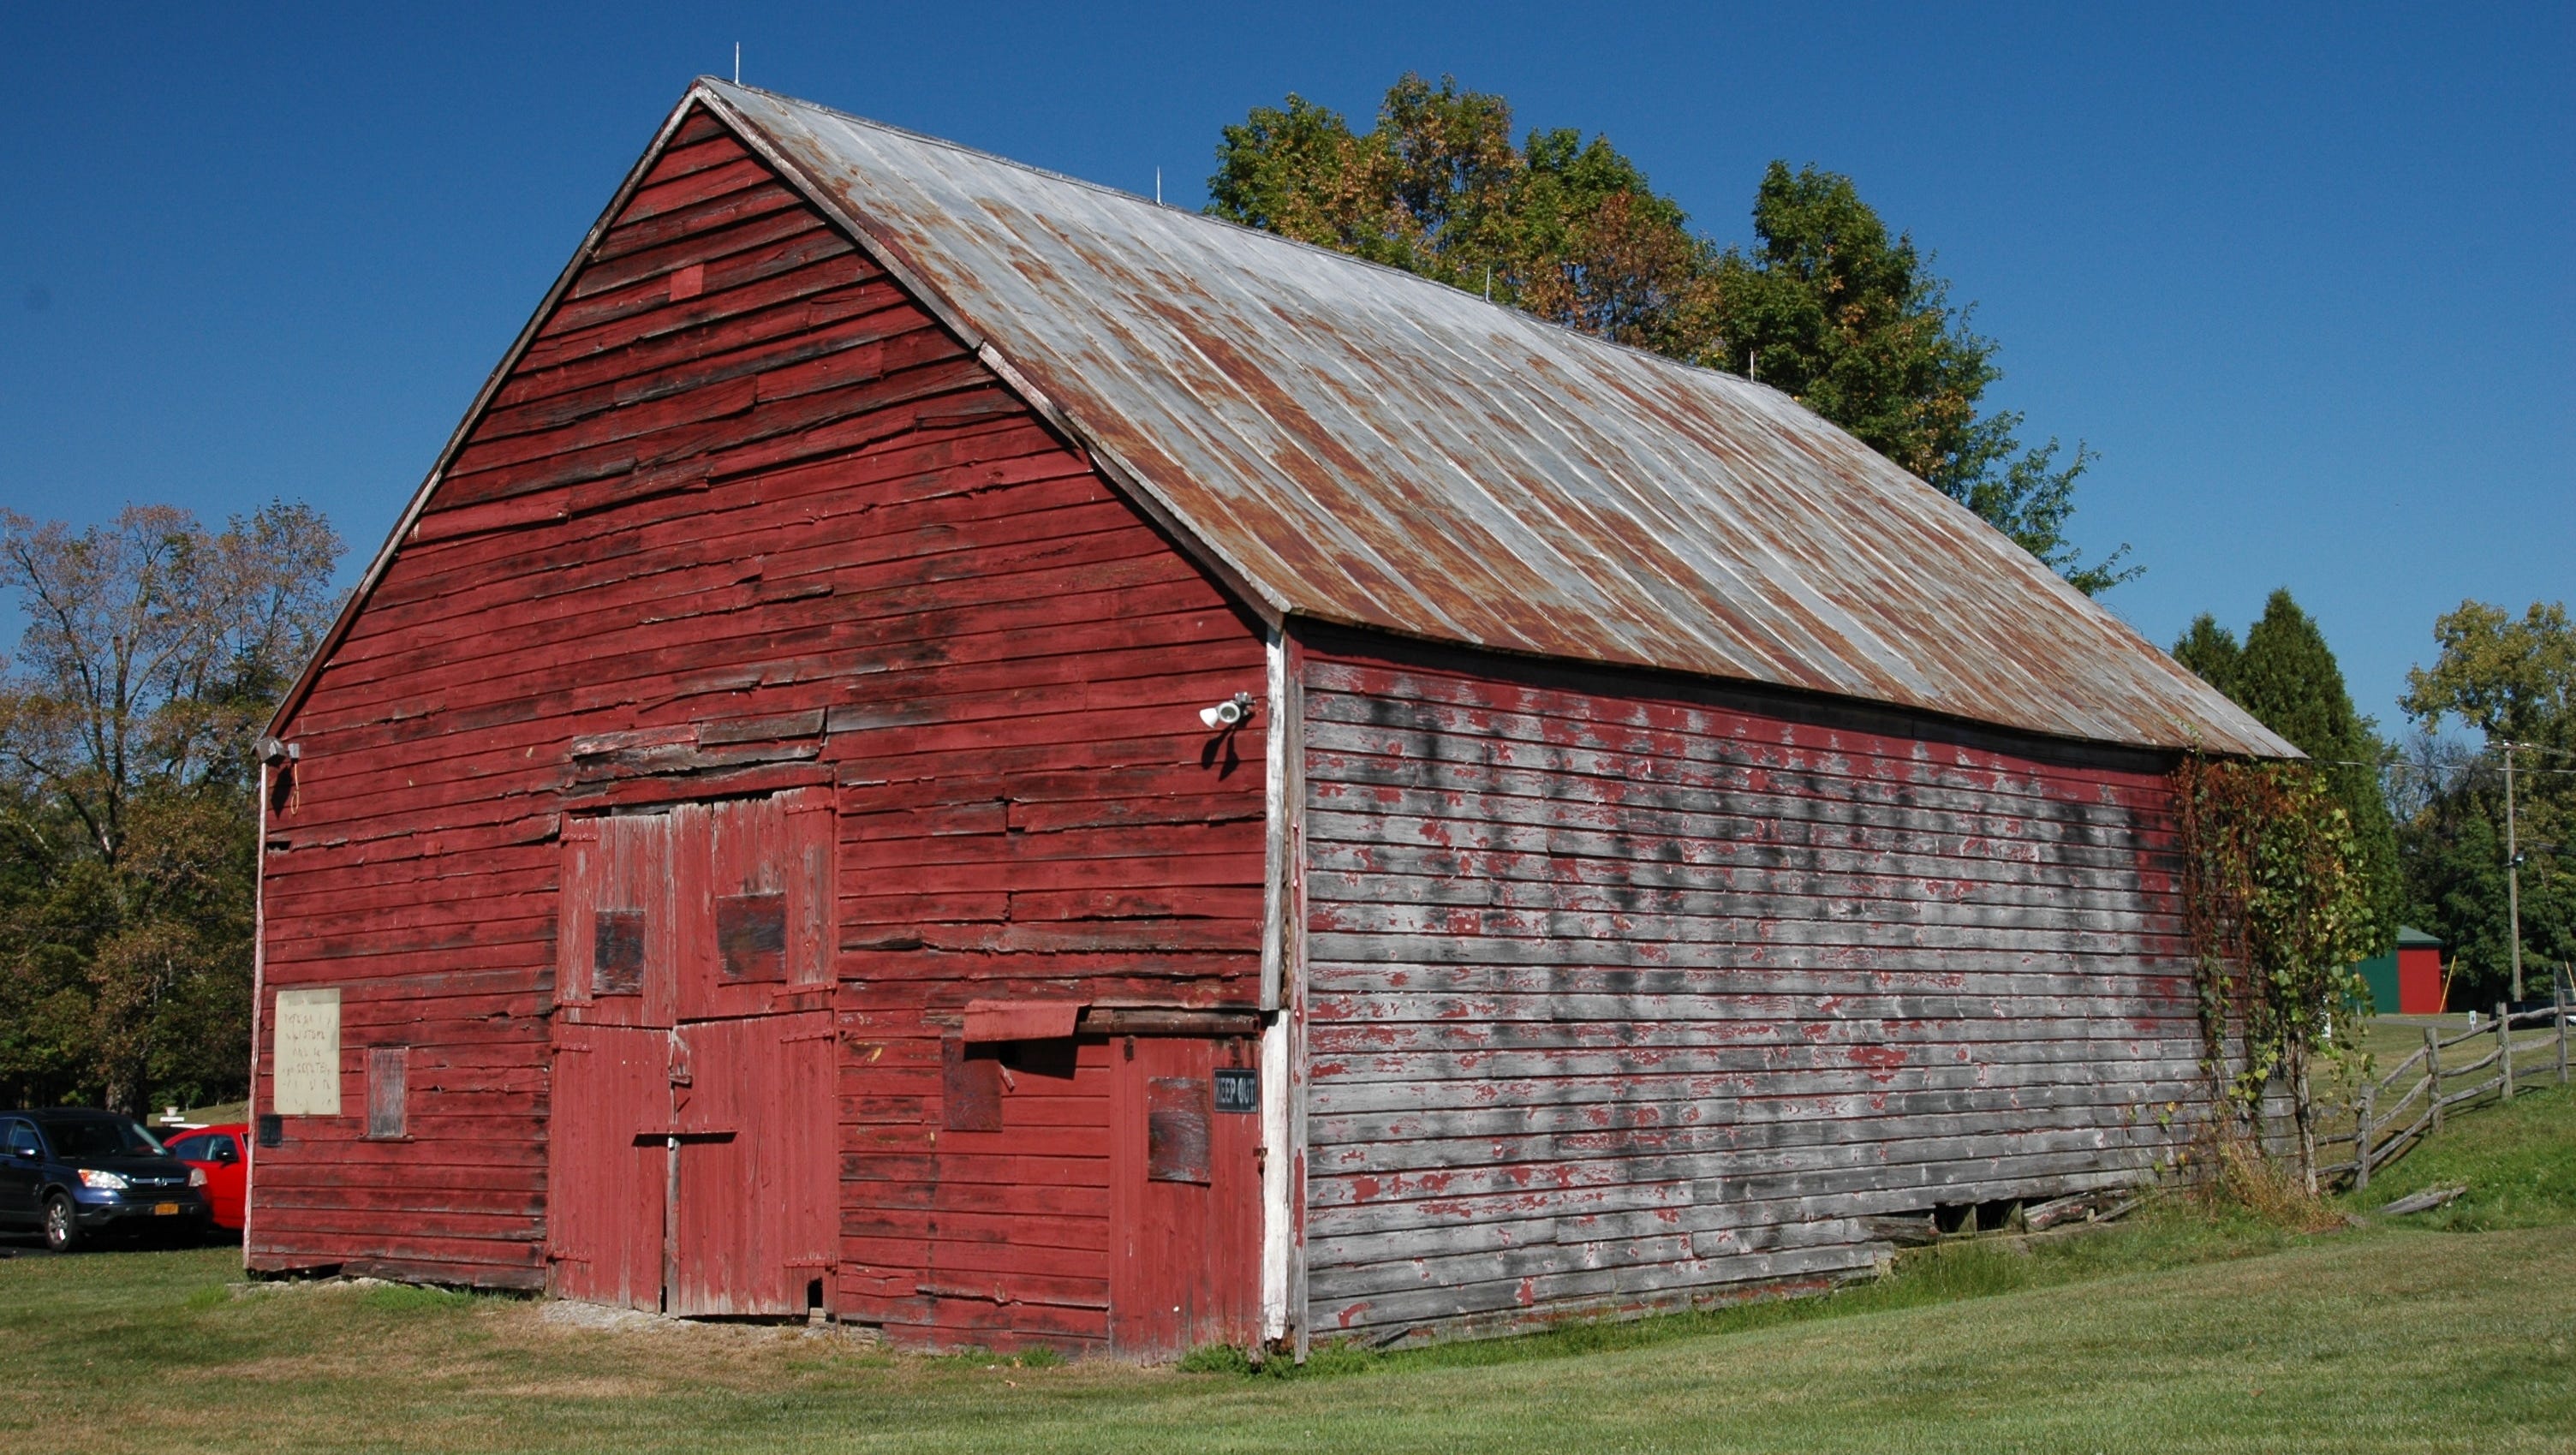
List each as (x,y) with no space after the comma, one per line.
(62,1230)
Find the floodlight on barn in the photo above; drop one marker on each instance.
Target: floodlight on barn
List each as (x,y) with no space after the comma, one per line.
(763,849)
(1229,713)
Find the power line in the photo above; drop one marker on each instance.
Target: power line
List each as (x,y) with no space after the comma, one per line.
(2430,769)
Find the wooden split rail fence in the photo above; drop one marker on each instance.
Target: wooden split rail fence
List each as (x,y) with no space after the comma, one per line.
(2446,1075)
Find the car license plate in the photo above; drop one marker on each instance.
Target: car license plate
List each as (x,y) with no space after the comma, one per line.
(165,1209)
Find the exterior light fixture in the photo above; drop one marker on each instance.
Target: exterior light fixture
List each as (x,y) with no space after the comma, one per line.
(1229,713)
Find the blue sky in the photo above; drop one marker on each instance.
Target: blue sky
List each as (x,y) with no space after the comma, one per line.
(2303,277)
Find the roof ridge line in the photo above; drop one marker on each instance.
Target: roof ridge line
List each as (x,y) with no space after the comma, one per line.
(1517,314)
(947,144)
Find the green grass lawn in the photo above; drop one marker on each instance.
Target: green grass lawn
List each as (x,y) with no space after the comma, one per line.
(2515,1160)
(2179,1331)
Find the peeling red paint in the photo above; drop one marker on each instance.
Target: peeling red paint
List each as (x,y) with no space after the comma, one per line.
(1634,971)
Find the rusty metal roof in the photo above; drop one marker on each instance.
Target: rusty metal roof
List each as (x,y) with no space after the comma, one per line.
(1356,444)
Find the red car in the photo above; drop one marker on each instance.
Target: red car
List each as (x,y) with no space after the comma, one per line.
(222,1152)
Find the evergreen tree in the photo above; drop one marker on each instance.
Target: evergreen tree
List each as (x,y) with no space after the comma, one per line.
(2210,651)
(2287,677)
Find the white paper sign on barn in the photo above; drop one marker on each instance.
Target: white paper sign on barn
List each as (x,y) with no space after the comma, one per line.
(308,1053)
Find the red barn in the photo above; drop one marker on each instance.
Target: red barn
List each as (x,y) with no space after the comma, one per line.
(769,832)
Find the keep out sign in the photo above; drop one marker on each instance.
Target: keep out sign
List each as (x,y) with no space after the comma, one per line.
(1238,1089)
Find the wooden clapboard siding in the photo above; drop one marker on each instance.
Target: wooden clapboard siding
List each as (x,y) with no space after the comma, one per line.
(784,531)
(993,1238)
(1629,993)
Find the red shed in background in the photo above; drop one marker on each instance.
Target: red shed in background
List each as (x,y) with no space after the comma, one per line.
(2408,979)
(971,752)
(2420,985)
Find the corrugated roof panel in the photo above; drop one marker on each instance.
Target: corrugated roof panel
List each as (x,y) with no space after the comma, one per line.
(1363,446)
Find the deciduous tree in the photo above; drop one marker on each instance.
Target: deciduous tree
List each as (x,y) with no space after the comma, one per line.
(2513,679)
(152,650)
(2510,679)
(1567,229)
(1825,305)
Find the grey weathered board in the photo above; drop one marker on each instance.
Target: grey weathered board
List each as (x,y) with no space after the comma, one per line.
(1627,994)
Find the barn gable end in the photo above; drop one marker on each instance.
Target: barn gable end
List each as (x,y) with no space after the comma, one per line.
(742,517)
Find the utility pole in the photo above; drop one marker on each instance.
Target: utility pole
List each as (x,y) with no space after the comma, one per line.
(2512,873)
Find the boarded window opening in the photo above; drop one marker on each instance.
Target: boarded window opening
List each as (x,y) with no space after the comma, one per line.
(1056,1059)
(617,952)
(388,1085)
(751,934)
(970,1086)
(1176,1129)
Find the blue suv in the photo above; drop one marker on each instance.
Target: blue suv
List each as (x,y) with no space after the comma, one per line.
(70,1173)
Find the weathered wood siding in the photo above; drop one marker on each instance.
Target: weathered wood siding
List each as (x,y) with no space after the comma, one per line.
(744,518)
(1625,991)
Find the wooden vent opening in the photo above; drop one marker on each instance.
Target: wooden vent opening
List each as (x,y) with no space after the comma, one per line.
(388,1091)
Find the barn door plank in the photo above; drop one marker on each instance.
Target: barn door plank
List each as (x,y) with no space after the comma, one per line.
(617,941)
(757,897)
(1184,1200)
(757,1205)
(605,1163)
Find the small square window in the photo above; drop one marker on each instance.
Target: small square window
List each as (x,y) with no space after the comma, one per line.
(617,952)
(751,934)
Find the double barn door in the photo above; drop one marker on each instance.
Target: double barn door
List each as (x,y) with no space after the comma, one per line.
(693,1161)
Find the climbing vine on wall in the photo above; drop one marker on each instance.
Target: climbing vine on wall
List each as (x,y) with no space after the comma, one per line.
(2278,916)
